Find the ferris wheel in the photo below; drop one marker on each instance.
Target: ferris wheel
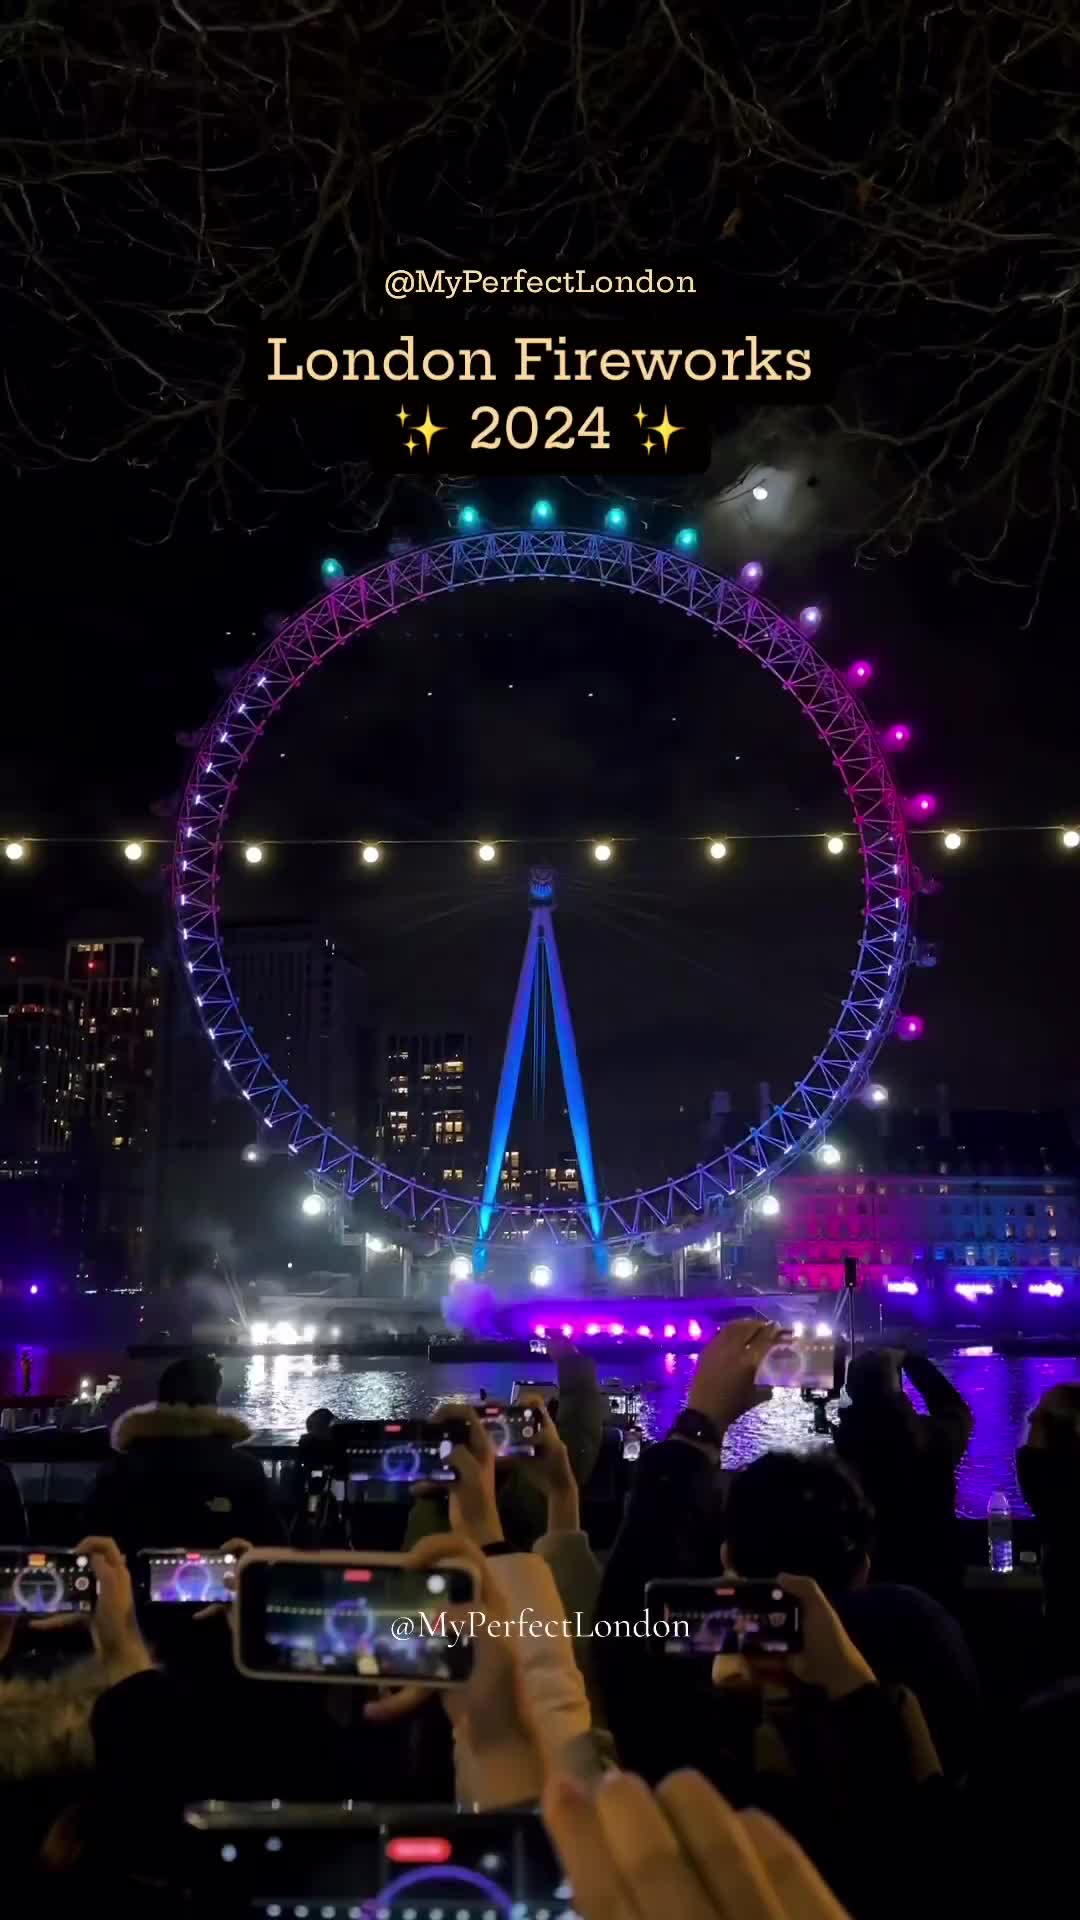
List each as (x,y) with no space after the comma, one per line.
(736,615)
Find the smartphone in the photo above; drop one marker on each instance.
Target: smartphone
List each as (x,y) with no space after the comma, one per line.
(708,1617)
(513,1431)
(46,1580)
(184,1576)
(365,1619)
(399,1452)
(547,1389)
(631,1443)
(810,1362)
(352,1862)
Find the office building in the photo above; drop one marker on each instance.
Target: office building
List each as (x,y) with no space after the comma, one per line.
(213,1200)
(47,1193)
(427,1099)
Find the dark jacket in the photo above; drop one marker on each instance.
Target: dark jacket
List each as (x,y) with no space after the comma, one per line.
(12,1512)
(854,1787)
(1049,1480)
(906,1463)
(180,1480)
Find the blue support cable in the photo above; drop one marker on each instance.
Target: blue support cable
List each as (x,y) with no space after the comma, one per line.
(507,1094)
(572,1081)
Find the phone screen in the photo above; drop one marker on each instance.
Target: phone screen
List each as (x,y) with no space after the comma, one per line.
(631,1443)
(186,1578)
(803,1361)
(401,1863)
(45,1580)
(349,1619)
(400,1452)
(513,1431)
(710,1617)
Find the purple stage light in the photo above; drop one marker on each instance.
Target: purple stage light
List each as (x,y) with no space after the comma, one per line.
(645,1332)
(567,1331)
(898,736)
(617,1328)
(693,1329)
(540,1332)
(34,1288)
(973,1289)
(751,574)
(810,619)
(592,1329)
(669,1331)
(976,1353)
(923,805)
(860,673)
(901,1286)
(910,1026)
(1053,1289)
(669,1363)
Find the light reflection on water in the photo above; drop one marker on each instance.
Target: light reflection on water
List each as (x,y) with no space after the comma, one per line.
(277,1392)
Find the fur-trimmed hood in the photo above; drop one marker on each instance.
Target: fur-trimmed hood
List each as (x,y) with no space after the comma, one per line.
(159,1422)
(45,1724)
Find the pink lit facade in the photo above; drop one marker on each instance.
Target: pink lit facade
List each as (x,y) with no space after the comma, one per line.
(933,1232)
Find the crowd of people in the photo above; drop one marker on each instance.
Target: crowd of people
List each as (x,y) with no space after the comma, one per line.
(868,1769)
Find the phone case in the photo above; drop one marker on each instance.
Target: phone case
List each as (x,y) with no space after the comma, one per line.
(331,1557)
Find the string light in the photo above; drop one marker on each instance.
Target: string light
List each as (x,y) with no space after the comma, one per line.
(486,852)
(952,842)
(134,851)
(543,512)
(810,619)
(835,843)
(602,852)
(371,855)
(686,539)
(253,855)
(860,673)
(717,850)
(15,851)
(615,520)
(468,519)
(331,570)
(751,575)
(1070,839)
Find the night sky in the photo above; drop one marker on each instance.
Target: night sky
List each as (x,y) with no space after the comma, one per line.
(545,715)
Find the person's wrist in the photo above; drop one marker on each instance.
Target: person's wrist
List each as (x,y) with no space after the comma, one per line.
(487,1528)
(699,1424)
(124,1656)
(719,1416)
(564,1510)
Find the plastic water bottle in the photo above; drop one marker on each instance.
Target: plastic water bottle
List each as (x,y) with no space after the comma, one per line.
(999,1540)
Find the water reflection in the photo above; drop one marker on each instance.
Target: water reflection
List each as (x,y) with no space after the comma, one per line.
(278,1396)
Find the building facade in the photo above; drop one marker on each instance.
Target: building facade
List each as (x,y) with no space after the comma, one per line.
(990,1205)
(428,1102)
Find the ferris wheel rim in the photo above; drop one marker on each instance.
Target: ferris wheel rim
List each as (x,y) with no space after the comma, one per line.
(360,601)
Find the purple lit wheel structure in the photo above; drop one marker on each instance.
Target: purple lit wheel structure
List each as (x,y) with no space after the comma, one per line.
(355,605)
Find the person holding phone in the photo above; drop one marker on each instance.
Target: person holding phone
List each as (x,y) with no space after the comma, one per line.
(527,1589)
